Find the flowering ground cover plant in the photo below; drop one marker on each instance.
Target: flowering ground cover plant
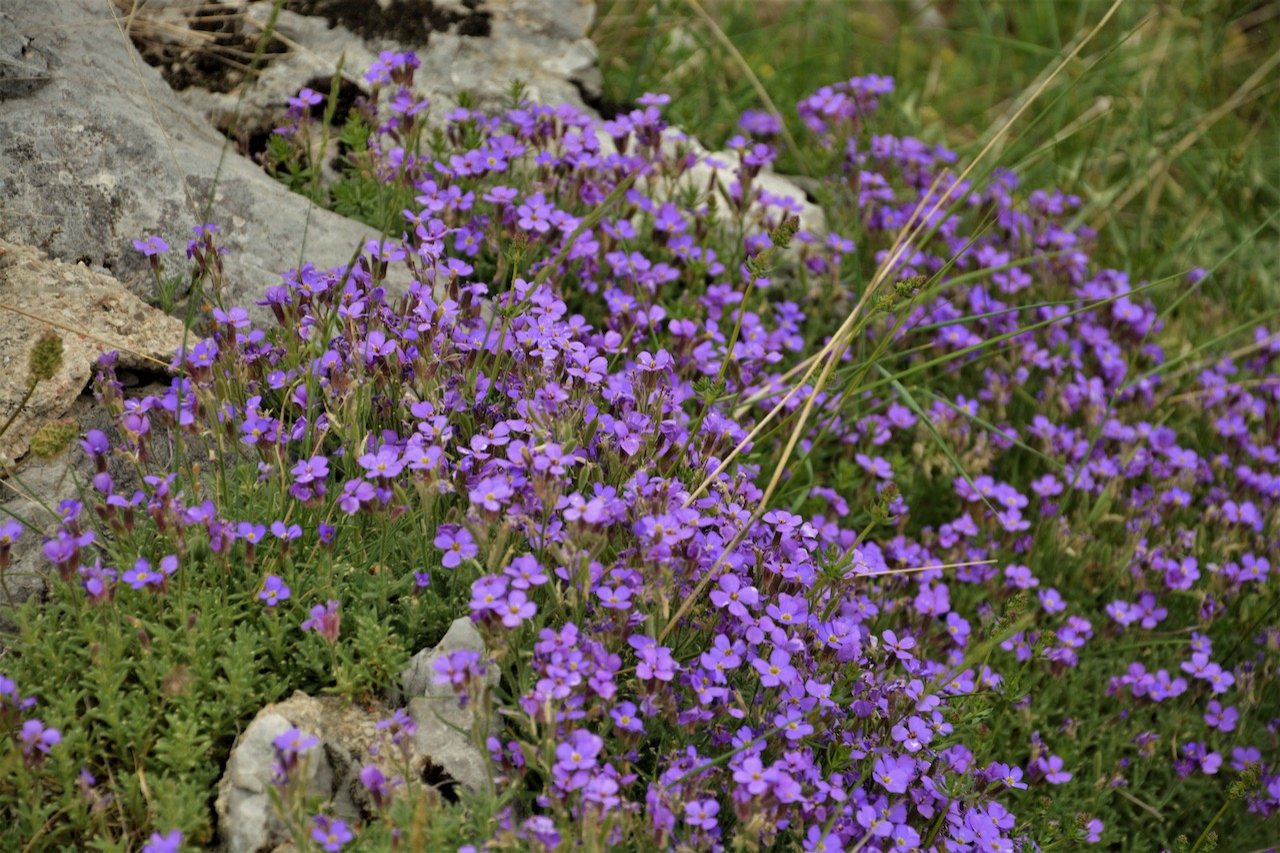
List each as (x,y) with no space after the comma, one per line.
(779,538)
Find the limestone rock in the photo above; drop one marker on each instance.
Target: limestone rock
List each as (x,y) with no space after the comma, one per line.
(717,169)
(44,482)
(246,818)
(445,727)
(473,46)
(442,748)
(98,151)
(723,164)
(35,486)
(92,313)
(418,678)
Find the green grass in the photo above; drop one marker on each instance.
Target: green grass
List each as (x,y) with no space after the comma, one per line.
(1144,116)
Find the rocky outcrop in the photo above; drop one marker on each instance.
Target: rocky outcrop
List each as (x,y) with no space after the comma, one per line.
(96,150)
(92,314)
(442,752)
(444,724)
(474,46)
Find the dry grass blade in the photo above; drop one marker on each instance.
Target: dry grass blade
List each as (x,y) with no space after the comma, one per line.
(727,43)
(1161,166)
(831,353)
(835,346)
(915,224)
(4,306)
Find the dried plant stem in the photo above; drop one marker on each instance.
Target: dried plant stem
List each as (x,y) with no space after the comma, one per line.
(727,43)
(1161,166)
(4,306)
(831,352)
(22,404)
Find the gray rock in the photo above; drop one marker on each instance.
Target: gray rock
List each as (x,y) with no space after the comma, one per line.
(418,678)
(446,733)
(721,165)
(444,738)
(247,820)
(31,492)
(40,485)
(476,47)
(717,169)
(102,151)
(442,751)
(245,814)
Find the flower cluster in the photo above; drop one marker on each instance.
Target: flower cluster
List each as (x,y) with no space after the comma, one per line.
(554,383)
(29,734)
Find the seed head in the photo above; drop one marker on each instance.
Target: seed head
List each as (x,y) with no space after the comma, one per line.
(46,356)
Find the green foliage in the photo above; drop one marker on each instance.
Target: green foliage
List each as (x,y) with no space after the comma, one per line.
(161,684)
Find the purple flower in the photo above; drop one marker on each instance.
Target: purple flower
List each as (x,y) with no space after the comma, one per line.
(1010,777)
(625,716)
(9,533)
(702,814)
(274,591)
(151,246)
(95,443)
(456,543)
(170,842)
(286,533)
(310,470)
(733,594)
(654,662)
(376,784)
(330,833)
(752,776)
(818,840)
(1053,772)
(38,740)
(491,492)
(142,575)
(777,670)
(356,493)
(305,98)
(488,593)
(399,724)
(894,774)
(98,582)
(525,572)
(614,598)
(385,464)
(899,647)
(578,752)
(294,742)
(516,609)
(325,620)
(1222,719)
(458,667)
(905,838)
